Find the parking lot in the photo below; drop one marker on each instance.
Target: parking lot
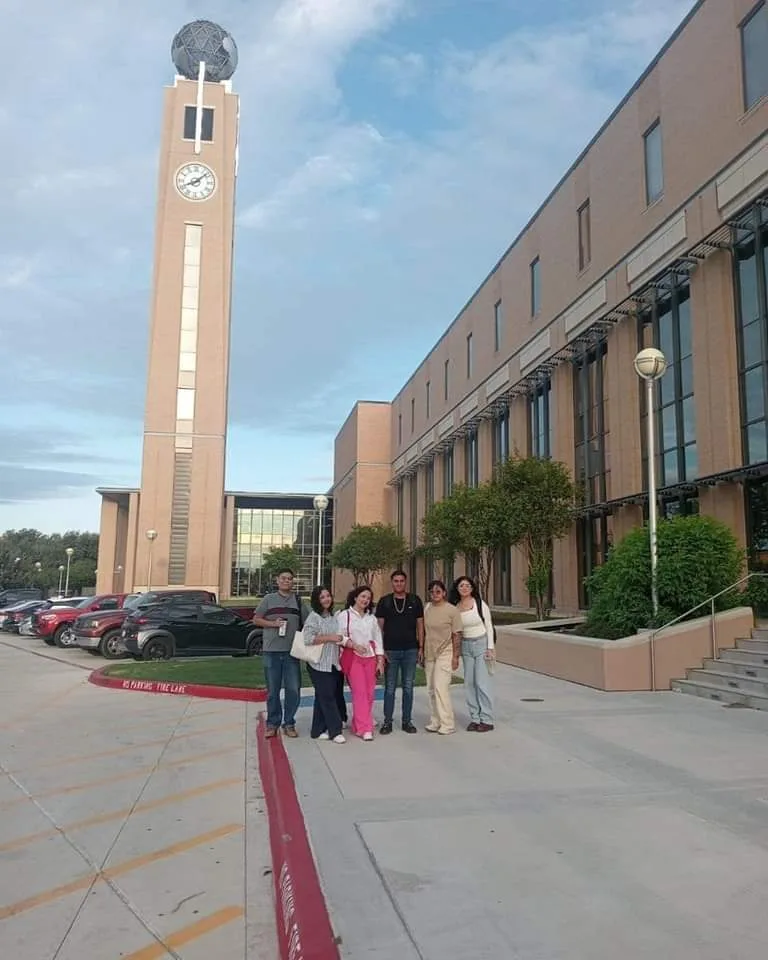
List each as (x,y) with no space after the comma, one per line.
(131,825)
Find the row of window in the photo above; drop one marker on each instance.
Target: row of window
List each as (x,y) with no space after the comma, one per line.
(754,34)
(667,323)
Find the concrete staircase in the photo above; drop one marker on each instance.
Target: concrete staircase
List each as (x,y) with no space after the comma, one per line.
(739,676)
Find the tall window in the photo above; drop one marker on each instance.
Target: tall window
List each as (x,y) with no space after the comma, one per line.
(498,320)
(654,164)
(448,478)
(429,484)
(469,355)
(413,509)
(472,458)
(399,429)
(413,414)
(500,450)
(445,380)
(585,236)
(751,257)
(539,421)
(668,327)
(754,54)
(591,425)
(535,287)
(591,460)
(428,399)
(400,511)
(190,124)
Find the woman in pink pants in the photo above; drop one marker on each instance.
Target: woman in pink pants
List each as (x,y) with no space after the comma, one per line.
(362,657)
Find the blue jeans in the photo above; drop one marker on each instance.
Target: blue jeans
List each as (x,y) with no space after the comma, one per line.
(477,680)
(404,663)
(282,671)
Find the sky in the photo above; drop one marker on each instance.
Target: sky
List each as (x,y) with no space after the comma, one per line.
(390,151)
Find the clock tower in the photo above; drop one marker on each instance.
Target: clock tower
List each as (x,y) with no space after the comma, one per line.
(179,513)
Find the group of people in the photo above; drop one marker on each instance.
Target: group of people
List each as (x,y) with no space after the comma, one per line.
(365,642)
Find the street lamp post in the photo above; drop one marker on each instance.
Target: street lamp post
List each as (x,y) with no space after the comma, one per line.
(321,505)
(151,535)
(69,551)
(61,576)
(651,365)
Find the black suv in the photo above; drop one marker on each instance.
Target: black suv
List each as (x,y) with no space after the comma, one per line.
(188,629)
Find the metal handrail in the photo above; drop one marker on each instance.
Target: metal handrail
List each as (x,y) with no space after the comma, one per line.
(710,601)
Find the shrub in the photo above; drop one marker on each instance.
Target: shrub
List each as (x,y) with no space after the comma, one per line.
(756,596)
(697,557)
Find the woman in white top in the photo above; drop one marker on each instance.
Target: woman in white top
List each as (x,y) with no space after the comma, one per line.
(321,628)
(362,658)
(477,652)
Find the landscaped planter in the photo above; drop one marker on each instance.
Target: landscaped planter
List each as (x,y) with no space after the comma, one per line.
(619,665)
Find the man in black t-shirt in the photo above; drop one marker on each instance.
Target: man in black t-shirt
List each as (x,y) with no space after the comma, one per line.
(401,618)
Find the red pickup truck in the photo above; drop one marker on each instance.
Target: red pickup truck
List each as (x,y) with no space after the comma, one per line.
(52,625)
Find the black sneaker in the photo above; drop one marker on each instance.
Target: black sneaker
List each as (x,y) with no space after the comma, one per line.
(409,728)
(386,728)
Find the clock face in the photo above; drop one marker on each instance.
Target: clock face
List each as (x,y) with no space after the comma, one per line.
(195,181)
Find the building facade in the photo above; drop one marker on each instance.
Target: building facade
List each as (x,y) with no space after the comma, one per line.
(252,525)
(656,236)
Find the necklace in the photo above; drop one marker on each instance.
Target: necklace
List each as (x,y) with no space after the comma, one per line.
(394,601)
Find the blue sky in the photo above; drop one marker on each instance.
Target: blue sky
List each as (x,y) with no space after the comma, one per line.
(390,151)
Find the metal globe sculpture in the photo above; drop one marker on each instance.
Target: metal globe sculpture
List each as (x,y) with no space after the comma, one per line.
(204,42)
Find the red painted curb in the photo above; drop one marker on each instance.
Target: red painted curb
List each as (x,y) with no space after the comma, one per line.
(101,679)
(304,928)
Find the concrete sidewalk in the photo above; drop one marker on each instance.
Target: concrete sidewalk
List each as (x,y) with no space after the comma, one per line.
(132,826)
(588,826)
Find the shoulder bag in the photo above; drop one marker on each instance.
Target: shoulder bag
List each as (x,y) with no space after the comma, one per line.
(309,653)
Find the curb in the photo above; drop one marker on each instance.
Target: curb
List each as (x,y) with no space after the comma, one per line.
(304,930)
(102,679)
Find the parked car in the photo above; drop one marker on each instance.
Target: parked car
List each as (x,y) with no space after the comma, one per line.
(14,595)
(100,632)
(188,629)
(52,625)
(11,617)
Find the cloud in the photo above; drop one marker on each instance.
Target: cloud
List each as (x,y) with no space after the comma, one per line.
(372,201)
(27,484)
(15,272)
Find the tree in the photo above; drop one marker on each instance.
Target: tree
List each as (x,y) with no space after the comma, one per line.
(539,498)
(367,550)
(22,550)
(280,558)
(697,558)
(471,521)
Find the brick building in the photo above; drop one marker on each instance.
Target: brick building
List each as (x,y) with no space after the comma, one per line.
(657,235)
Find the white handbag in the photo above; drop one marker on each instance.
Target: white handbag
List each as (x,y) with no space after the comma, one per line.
(309,653)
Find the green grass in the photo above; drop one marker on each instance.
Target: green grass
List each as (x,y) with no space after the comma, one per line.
(215,671)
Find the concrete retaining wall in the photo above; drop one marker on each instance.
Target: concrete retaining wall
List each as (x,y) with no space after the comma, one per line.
(620,665)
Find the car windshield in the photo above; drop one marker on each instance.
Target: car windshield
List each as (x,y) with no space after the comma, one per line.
(132,601)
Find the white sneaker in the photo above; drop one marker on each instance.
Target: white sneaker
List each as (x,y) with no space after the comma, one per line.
(367,737)
(340,739)
(323,736)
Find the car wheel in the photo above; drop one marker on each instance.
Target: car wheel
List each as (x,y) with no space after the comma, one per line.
(157,649)
(110,647)
(60,636)
(254,644)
